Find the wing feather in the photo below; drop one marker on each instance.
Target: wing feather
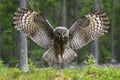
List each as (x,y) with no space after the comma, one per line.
(34,25)
(88,28)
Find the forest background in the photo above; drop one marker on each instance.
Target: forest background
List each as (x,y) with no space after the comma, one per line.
(52,9)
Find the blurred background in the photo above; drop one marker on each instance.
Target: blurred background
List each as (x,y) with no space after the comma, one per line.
(60,12)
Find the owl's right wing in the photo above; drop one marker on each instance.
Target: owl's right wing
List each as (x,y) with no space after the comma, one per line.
(88,28)
(34,25)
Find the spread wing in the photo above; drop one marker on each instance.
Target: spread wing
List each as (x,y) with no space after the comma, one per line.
(88,28)
(34,25)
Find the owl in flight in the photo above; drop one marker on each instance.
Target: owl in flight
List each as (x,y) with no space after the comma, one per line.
(60,42)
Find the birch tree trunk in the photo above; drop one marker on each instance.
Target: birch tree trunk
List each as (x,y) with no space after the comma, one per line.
(23,46)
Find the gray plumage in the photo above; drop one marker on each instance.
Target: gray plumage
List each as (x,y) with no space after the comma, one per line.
(60,42)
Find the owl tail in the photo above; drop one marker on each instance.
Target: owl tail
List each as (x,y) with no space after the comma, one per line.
(68,55)
(49,56)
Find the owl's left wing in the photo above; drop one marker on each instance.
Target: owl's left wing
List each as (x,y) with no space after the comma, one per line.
(88,28)
(34,25)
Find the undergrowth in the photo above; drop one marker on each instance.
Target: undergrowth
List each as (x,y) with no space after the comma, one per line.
(89,73)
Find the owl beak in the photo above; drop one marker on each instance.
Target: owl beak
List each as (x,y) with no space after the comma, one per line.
(62,35)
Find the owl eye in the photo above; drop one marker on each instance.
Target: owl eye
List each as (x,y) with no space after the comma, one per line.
(64,32)
(59,33)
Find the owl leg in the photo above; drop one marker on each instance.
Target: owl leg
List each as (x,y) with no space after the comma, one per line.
(59,68)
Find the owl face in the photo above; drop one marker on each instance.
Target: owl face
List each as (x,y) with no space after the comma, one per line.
(61,32)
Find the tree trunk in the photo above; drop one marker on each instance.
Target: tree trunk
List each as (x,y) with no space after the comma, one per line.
(0,38)
(54,15)
(31,47)
(16,40)
(23,46)
(95,43)
(75,13)
(112,31)
(63,12)
(63,19)
(0,41)
(75,7)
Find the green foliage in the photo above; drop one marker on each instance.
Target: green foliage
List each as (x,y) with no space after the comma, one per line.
(98,73)
(82,53)
(9,74)
(13,62)
(105,55)
(37,54)
(1,64)
(7,9)
(32,67)
(88,73)
(90,61)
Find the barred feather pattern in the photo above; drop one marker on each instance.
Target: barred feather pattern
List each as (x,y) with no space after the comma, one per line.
(88,28)
(37,27)
(67,56)
(26,21)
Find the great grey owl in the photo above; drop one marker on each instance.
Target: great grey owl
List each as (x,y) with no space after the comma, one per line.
(60,42)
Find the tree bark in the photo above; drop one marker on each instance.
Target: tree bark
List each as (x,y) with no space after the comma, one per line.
(95,43)
(31,47)
(0,38)
(63,12)
(75,7)
(75,13)
(23,46)
(112,31)
(0,41)
(63,20)
(16,40)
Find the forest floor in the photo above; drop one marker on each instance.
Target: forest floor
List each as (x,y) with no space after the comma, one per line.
(87,73)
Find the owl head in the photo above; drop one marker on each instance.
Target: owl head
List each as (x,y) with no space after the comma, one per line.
(61,32)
